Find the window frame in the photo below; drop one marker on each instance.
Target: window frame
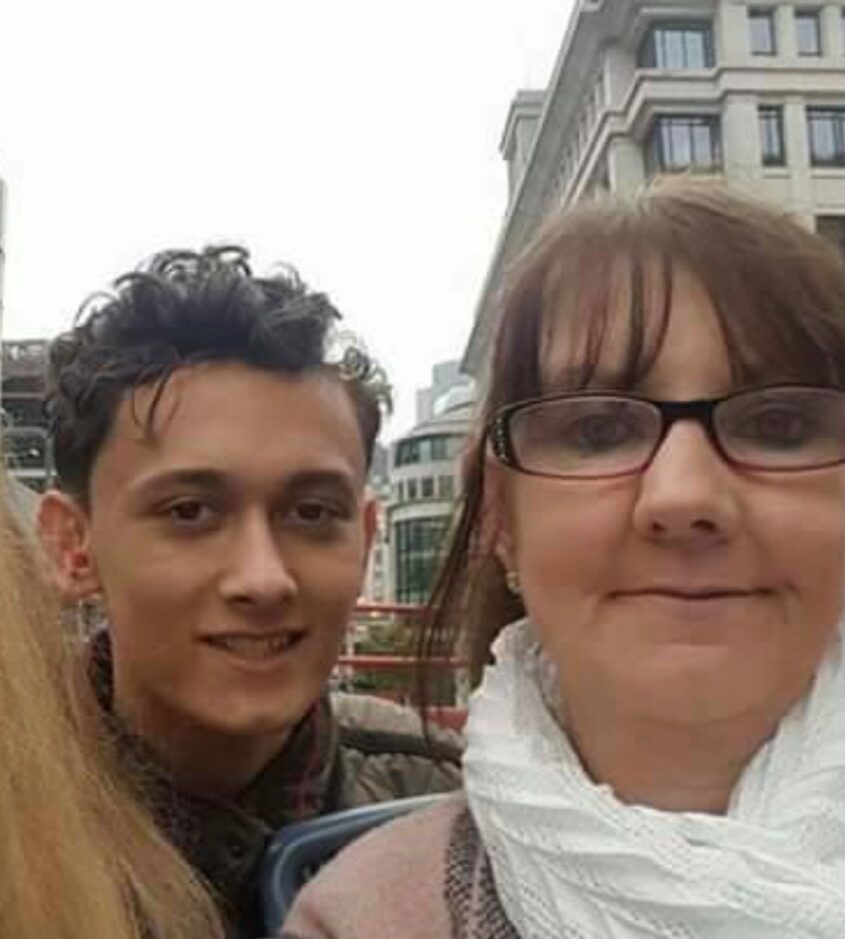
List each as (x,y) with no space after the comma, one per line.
(648,52)
(767,112)
(446,488)
(418,546)
(837,132)
(439,448)
(767,14)
(656,140)
(811,14)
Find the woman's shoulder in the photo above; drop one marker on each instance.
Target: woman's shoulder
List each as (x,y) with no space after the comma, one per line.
(382,882)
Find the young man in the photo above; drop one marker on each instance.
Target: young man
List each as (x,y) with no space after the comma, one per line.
(212,452)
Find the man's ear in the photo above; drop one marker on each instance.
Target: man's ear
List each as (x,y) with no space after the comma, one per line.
(64,532)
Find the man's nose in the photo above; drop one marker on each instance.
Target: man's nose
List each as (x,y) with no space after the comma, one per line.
(257,573)
(688,493)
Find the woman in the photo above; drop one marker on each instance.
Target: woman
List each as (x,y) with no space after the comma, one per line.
(657,507)
(78,858)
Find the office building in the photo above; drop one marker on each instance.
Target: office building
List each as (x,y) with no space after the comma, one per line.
(425,482)
(752,91)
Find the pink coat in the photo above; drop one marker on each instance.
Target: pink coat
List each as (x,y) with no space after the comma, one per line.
(424,876)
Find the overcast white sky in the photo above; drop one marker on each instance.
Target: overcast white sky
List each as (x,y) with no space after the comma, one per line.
(357,140)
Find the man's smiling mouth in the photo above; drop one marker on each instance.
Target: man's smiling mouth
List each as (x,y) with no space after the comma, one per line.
(255,646)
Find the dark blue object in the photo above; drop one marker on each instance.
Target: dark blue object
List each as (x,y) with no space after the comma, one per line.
(299,850)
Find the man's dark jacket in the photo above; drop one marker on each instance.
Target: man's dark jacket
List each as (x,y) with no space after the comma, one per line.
(347,751)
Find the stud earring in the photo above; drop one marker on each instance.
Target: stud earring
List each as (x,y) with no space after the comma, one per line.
(513,584)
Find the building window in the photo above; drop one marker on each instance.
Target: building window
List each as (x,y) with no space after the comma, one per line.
(833,228)
(407,452)
(400,492)
(771,136)
(446,488)
(761,24)
(681,142)
(417,544)
(827,136)
(412,490)
(600,92)
(808,33)
(677,46)
(426,449)
(427,487)
(439,448)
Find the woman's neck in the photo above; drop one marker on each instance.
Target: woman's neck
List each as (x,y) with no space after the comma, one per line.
(672,767)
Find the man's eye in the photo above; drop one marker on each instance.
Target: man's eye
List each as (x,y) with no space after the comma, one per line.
(189,512)
(317,514)
(314,512)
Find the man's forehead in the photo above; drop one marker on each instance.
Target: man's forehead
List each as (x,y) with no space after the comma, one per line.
(200,390)
(221,415)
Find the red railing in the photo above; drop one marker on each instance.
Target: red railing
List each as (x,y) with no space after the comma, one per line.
(378,662)
(370,672)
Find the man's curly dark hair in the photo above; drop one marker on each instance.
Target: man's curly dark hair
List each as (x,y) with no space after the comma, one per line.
(186,308)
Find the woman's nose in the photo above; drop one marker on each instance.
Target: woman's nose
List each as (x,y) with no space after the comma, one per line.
(688,493)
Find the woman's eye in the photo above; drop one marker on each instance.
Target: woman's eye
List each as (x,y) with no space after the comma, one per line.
(600,432)
(779,427)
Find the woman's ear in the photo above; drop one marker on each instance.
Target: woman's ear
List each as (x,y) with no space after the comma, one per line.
(64,532)
(496,527)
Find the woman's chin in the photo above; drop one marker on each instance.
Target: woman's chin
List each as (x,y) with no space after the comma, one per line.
(694,685)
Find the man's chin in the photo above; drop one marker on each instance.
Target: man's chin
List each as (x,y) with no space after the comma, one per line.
(245,722)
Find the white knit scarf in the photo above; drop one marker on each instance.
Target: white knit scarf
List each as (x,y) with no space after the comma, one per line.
(570,860)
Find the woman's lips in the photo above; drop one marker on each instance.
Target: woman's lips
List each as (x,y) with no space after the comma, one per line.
(695,593)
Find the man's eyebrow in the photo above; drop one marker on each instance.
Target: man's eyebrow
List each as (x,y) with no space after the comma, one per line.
(191,477)
(306,480)
(341,482)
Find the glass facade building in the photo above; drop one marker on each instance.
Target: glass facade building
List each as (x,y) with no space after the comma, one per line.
(417,544)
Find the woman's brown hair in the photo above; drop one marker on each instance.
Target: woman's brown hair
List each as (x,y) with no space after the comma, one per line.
(78,856)
(778,291)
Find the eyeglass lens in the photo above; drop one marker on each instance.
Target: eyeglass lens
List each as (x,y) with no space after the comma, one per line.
(784,428)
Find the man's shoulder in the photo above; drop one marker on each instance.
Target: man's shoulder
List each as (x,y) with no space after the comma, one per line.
(385,754)
(366,721)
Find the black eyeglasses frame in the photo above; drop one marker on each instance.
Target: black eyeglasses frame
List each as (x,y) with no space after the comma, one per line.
(700,410)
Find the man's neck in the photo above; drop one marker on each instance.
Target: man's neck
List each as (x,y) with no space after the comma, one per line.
(200,761)
(675,768)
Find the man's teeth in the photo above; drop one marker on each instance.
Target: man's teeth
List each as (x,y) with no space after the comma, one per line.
(257,647)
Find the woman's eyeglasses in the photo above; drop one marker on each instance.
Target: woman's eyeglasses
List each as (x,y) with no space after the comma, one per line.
(596,435)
